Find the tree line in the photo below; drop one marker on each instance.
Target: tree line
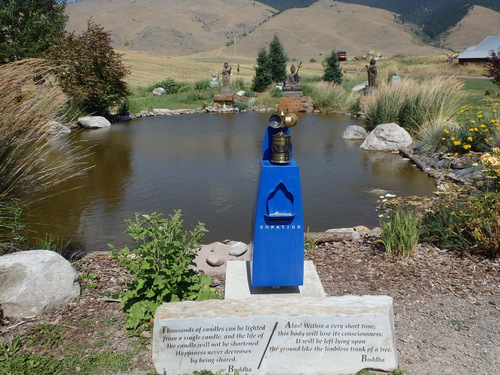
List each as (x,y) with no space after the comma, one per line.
(86,66)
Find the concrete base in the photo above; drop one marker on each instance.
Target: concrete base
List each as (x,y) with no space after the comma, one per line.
(238,285)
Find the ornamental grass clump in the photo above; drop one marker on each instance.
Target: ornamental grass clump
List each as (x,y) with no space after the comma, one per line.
(412,104)
(331,97)
(400,232)
(161,266)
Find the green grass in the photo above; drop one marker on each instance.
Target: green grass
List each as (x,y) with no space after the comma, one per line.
(477,88)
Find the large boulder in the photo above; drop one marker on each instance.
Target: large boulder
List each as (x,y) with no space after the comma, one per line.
(387,137)
(93,122)
(354,132)
(36,281)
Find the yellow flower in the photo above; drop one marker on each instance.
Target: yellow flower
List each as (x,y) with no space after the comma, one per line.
(457,143)
(482,126)
(467,147)
(452,138)
(469,139)
(445,124)
(473,121)
(480,116)
(443,139)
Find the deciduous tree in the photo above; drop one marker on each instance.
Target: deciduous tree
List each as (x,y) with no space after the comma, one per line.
(28,27)
(493,67)
(92,72)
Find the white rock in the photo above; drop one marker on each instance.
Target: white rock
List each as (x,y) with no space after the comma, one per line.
(93,122)
(354,132)
(214,260)
(237,248)
(387,137)
(36,281)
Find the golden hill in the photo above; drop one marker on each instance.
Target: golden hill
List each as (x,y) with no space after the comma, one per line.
(236,29)
(478,24)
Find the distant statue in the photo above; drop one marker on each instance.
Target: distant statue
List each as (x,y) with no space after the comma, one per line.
(226,81)
(394,79)
(372,73)
(214,82)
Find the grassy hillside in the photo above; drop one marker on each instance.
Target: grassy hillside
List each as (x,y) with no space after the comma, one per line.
(235,30)
(479,23)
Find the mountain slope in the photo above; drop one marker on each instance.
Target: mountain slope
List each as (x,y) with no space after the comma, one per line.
(238,28)
(170,27)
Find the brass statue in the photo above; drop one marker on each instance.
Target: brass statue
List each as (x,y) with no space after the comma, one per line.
(372,73)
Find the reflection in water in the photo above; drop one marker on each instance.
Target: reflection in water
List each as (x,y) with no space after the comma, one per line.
(207,165)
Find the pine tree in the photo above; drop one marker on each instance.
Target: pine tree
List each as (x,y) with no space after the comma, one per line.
(277,60)
(332,71)
(262,77)
(29,27)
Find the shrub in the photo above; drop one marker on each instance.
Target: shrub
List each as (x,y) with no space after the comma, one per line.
(92,73)
(160,266)
(169,84)
(476,130)
(202,85)
(492,165)
(400,232)
(241,106)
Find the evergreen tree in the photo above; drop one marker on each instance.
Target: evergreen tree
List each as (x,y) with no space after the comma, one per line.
(332,71)
(262,77)
(92,73)
(28,27)
(277,60)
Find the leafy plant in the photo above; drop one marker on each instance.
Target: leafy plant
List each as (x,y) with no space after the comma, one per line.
(441,226)
(332,71)
(46,335)
(51,242)
(400,232)
(170,85)
(492,164)
(160,266)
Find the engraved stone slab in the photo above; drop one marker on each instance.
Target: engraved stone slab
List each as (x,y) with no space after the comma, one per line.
(333,335)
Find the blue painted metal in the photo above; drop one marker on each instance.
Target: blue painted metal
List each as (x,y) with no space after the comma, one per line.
(278,232)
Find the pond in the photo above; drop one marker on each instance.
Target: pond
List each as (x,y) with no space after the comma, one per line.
(207,165)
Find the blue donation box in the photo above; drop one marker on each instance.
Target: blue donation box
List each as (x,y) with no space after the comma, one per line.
(278,232)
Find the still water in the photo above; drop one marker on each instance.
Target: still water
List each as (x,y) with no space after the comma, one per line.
(207,165)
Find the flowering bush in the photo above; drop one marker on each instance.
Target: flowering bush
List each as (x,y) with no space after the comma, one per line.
(492,163)
(475,130)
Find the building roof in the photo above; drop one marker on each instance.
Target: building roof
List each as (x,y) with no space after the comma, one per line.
(482,50)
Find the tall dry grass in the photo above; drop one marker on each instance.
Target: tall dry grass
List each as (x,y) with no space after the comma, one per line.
(330,97)
(414,104)
(32,159)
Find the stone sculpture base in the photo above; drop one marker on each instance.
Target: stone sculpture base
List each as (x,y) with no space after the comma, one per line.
(295,104)
(223,101)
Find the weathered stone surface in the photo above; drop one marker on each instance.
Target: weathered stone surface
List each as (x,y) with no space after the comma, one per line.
(214,260)
(387,137)
(36,281)
(333,335)
(237,248)
(55,127)
(354,132)
(159,91)
(93,122)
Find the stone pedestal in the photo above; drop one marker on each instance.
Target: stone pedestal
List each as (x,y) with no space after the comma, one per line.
(295,104)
